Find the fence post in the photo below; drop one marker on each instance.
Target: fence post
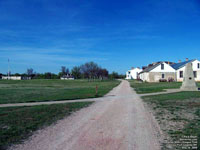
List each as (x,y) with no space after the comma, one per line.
(96,90)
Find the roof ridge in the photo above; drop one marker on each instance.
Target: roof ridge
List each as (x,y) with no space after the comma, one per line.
(179,65)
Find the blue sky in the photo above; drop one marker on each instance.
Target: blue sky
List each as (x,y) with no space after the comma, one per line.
(47,34)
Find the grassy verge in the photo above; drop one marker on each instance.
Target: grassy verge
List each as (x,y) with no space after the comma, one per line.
(144,87)
(50,90)
(178,115)
(17,123)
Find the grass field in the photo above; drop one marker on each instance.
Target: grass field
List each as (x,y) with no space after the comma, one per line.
(50,90)
(178,114)
(145,87)
(17,123)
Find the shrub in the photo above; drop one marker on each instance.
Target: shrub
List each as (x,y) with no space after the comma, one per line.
(162,80)
(170,79)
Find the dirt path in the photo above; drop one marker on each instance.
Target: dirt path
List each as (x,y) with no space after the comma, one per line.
(50,102)
(118,123)
(167,91)
(106,97)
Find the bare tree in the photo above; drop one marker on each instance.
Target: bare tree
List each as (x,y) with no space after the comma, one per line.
(29,71)
(63,70)
(102,73)
(90,70)
(67,71)
(76,72)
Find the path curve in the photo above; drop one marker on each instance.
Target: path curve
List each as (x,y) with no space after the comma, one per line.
(118,123)
(106,97)
(167,91)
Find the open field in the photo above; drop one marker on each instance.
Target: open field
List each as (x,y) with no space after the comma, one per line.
(118,122)
(178,114)
(145,87)
(51,90)
(17,123)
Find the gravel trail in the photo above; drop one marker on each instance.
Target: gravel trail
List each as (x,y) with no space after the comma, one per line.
(120,122)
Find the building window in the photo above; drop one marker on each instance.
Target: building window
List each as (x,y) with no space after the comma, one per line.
(162,66)
(198,65)
(181,74)
(195,74)
(163,76)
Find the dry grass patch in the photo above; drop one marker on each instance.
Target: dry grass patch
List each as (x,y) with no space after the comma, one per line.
(178,114)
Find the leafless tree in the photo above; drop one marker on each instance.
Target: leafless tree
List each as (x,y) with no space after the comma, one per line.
(63,70)
(30,72)
(76,72)
(89,70)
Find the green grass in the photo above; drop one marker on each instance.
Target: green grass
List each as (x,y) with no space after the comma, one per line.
(17,123)
(51,90)
(181,109)
(172,97)
(145,87)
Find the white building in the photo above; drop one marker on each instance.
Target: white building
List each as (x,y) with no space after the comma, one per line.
(164,71)
(67,77)
(15,78)
(160,71)
(11,77)
(133,73)
(180,68)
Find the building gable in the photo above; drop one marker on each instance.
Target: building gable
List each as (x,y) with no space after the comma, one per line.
(195,65)
(163,67)
(181,64)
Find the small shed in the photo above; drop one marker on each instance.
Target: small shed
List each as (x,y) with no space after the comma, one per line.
(67,77)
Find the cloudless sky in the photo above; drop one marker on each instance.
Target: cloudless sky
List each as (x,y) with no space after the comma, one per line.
(116,34)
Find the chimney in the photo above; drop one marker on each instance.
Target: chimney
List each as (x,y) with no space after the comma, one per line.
(179,61)
(144,67)
(186,59)
(132,68)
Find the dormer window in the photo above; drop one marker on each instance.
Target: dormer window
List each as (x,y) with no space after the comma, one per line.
(162,66)
(198,65)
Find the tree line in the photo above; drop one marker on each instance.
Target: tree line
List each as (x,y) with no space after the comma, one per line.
(89,70)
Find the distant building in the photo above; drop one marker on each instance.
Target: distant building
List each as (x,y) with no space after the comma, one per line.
(133,73)
(67,77)
(11,77)
(180,68)
(169,71)
(15,78)
(160,71)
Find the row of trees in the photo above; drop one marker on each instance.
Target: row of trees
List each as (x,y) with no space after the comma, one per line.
(89,70)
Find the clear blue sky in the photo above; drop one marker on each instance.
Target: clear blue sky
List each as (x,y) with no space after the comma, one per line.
(117,34)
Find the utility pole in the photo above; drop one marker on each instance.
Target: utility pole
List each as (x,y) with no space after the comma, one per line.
(8,67)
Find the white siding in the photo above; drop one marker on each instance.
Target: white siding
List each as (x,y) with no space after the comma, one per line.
(66,78)
(195,68)
(132,74)
(144,76)
(11,77)
(167,68)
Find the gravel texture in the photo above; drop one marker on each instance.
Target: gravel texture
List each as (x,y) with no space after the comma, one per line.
(119,122)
